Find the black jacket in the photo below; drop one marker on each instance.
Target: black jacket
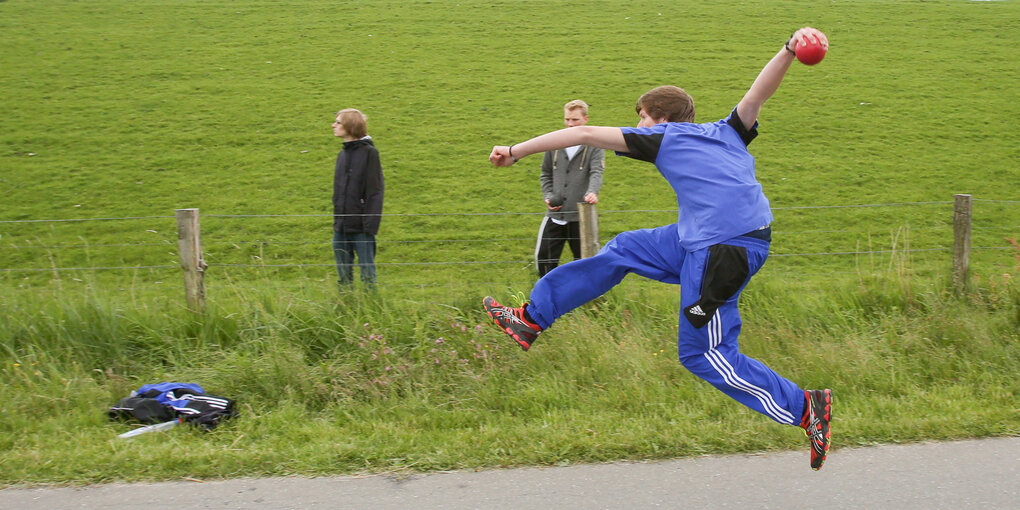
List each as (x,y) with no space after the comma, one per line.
(358,188)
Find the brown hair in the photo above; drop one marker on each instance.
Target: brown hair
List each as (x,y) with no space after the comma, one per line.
(667,102)
(354,122)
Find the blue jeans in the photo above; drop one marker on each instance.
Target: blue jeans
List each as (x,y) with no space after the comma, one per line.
(345,247)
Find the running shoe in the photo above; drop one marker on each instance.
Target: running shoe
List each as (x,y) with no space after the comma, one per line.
(513,322)
(816,424)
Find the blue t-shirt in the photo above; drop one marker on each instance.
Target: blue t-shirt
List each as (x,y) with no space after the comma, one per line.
(711,173)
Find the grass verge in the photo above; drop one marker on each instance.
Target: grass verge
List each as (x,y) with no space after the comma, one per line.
(362,383)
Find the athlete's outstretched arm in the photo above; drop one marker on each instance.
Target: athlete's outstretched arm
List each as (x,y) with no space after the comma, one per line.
(772,75)
(609,138)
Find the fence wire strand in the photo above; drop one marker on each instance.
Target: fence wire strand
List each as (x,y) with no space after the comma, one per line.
(267,242)
(511,213)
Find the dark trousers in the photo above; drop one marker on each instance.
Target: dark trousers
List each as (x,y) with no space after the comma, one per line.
(551,238)
(345,247)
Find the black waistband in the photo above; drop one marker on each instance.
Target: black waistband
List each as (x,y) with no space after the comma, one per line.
(765,234)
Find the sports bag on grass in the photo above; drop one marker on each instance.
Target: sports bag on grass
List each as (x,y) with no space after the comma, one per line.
(157,403)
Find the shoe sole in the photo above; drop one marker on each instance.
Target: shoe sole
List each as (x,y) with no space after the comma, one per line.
(828,433)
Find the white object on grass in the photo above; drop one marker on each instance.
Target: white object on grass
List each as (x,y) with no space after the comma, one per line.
(150,428)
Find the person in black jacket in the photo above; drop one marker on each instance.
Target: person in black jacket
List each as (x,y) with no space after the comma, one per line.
(357,198)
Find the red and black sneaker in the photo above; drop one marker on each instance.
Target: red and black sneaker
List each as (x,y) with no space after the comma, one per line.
(816,424)
(513,322)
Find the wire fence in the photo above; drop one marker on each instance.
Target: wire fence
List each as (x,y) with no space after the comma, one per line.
(442,248)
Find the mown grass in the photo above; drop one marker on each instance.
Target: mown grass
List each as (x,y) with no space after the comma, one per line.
(125,110)
(122,110)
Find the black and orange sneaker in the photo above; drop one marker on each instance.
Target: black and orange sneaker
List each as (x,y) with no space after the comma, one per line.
(513,322)
(816,424)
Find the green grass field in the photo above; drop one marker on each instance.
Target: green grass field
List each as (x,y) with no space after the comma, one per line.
(117,113)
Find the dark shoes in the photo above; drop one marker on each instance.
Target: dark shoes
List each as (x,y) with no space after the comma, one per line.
(816,424)
(513,322)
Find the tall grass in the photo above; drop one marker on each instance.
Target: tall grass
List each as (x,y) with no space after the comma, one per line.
(369,382)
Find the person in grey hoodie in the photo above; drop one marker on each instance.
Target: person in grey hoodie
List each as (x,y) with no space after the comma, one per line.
(357,198)
(569,176)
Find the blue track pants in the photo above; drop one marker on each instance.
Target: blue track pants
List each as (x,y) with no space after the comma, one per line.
(710,351)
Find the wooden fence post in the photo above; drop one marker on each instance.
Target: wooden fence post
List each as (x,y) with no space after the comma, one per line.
(189,247)
(961,241)
(589,229)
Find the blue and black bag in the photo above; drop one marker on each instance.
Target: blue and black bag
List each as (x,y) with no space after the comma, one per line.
(157,403)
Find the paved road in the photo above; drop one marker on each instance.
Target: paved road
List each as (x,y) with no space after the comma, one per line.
(981,474)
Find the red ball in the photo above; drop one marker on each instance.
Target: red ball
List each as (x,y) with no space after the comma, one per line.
(811,53)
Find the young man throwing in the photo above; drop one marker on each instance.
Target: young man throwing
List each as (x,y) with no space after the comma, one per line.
(721,239)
